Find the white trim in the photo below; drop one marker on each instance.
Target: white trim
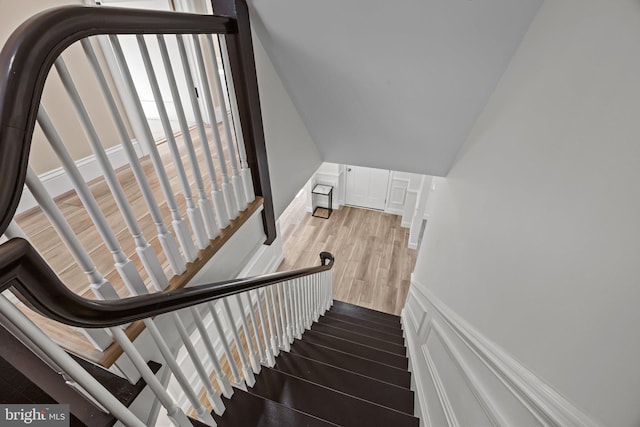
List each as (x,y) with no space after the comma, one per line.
(57,182)
(535,395)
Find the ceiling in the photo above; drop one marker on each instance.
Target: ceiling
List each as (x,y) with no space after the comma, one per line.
(395,85)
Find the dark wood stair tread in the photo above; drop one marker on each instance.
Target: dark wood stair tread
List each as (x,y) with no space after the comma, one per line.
(373,325)
(250,410)
(363,312)
(359,338)
(363,330)
(326,404)
(339,359)
(381,393)
(371,353)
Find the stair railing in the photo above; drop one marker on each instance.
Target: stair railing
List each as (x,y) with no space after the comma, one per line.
(202,203)
(29,277)
(25,63)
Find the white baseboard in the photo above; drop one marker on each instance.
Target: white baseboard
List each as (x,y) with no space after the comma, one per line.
(461,377)
(57,182)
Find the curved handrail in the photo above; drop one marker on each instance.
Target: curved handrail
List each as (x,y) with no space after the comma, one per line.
(35,283)
(27,57)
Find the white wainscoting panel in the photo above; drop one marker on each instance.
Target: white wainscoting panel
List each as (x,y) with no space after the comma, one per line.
(397,195)
(463,379)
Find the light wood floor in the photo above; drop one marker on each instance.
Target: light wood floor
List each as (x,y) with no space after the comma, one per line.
(373,264)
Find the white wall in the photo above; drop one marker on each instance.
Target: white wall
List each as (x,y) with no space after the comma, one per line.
(534,237)
(292,153)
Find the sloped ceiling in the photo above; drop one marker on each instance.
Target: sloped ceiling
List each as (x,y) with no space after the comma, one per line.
(394,84)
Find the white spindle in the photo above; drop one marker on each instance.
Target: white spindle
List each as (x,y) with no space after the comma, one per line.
(256,331)
(125,267)
(192,396)
(147,255)
(316,297)
(307,302)
(286,303)
(297,308)
(175,414)
(214,398)
(253,357)
(246,368)
(167,241)
(284,341)
(275,347)
(273,291)
(222,210)
(247,180)
(268,345)
(330,290)
(237,380)
(236,180)
(221,377)
(179,225)
(193,213)
(96,281)
(234,194)
(68,365)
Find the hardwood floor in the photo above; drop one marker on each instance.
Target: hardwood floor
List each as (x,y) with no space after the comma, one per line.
(373,264)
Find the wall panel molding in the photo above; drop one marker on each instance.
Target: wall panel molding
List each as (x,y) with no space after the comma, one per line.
(506,391)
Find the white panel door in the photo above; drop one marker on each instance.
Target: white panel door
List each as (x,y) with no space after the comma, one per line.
(367,187)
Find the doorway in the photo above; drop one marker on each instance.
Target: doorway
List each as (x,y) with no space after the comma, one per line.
(367,187)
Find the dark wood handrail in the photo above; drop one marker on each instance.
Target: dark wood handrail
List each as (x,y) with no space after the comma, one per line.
(29,54)
(32,280)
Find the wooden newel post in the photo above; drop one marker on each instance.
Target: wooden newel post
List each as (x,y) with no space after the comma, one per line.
(243,69)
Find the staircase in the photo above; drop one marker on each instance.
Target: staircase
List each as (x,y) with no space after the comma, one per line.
(349,369)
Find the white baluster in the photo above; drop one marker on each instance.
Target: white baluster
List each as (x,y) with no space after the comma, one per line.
(167,241)
(212,228)
(274,309)
(68,365)
(284,292)
(316,297)
(308,318)
(246,368)
(213,396)
(202,412)
(179,225)
(193,213)
(125,267)
(97,282)
(330,274)
(221,377)
(256,331)
(219,203)
(247,180)
(270,361)
(237,380)
(284,341)
(97,337)
(234,190)
(275,348)
(147,255)
(297,308)
(253,357)
(176,415)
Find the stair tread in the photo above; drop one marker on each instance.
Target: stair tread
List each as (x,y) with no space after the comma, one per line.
(359,365)
(326,404)
(397,331)
(372,390)
(359,338)
(371,353)
(363,330)
(250,410)
(391,319)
